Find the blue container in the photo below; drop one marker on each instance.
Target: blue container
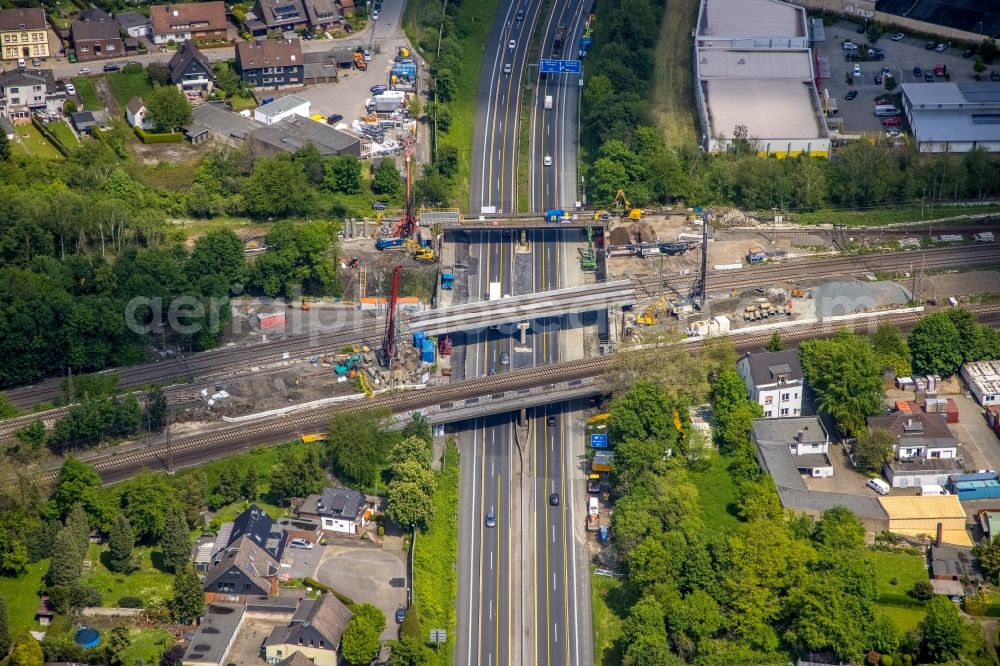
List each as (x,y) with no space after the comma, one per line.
(87,637)
(427,354)
(418,339)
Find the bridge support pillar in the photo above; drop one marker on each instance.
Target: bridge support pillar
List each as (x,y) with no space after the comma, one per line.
(523,237)
(522,416)
(523,328)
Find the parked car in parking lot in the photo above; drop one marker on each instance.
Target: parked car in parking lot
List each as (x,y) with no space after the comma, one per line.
(941,48)
(111,67)
(857,71)
(994,75)
(849,46)
(883,100)
(70,89)
(375,15)
(930,46)
(892,122)
(929,77)
(898,37)
(301,543)
(967,53)
(851,94)
(378,90)
(400,615)
(917,72)
(84,71)
(334,118)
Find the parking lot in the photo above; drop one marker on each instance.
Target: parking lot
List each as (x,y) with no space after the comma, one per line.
(367,575)
(900,58)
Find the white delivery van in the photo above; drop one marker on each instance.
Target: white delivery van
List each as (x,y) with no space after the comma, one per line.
(933,490)
(591,505)
(886,111)
(548,102)
(879,486)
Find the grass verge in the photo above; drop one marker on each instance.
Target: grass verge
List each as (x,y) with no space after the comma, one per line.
(31,142)
(435,582)
(125,86)
(21,594)
(889,215)
(88,93)
(716,492)
(672,95)
(473,20)
(62,132)
(904,610)
(241,103)
(604,600)
(148,645)
(148,583)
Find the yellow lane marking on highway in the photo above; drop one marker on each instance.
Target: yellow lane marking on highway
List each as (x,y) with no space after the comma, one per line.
(548,610)
(562,491)
(496,640)
(493,127)
(482,504)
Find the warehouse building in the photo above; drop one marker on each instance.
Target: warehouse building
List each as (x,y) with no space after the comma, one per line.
(953,117)
(754,69)
(983,378)
(940,517)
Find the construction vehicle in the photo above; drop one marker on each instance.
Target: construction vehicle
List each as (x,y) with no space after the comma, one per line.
(354,262)
(588,258)
(365,384)
(389,243)
(557,39)
(305,304)
(419,251)
(622,202)
(756,255)
(444,344)
(388,350)
(602,215)
(652,313)
(359,61)
(448,281)
(318,437)
(593,514)
(348,363)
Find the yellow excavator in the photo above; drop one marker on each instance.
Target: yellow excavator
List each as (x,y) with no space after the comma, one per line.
(622,202)
(652,313)
(418,251)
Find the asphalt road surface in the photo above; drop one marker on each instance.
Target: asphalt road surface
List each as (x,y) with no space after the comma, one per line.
(555,132)
(495,142)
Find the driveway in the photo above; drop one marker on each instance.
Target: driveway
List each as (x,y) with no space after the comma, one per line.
(900,57)
(301,562)
(367,575)
(975,435)
(246,647)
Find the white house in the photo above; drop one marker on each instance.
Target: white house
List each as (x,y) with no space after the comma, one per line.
(774,380)
(919,435)
(135,114)
(279,109)
(791,447)
(134,24)
(983,378)
(338,510)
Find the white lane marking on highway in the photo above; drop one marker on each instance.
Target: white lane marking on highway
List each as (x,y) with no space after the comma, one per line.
(493,471)
(491,609)
(502,98)
(553,535)
(548,130)
(493,434)
(555,631)
(491,564)
(498,183)
(553,581)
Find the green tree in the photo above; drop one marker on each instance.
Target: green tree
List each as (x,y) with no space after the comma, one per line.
(358,446)
(409,652)
(360,642)
(891,349)
(922,590)
(941,631)
(217,263)
(77,482)
(775,344)
(418,427)
(387,180)
(7,408)
(277,188)
(188,602)
(299,475)
(447,161)
(5,639)
(66,564)
(27,651)
(345,174)
(191,495)
(988,554)
(845,374)
(644,634)
(175,544)
(410,449)
(840,529)
(445,86)
(117,645)
(146,500)
(298,255)
(882,634)
(121,542)
(167,108)
(978,66)
(933,344)
(79,526)
(432,190)
(873,448)
(409,504)
(4,147)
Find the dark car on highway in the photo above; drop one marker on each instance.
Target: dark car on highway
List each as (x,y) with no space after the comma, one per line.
(554,499)
(851,94)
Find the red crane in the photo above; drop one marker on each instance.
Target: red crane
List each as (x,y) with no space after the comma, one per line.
(389,341)
(408,223)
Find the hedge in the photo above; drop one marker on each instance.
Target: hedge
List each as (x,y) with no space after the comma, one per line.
(49,136)
(316,585)
(165,137)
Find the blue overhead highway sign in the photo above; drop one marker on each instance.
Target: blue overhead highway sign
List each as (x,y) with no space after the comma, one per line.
(559,66)
(599,441)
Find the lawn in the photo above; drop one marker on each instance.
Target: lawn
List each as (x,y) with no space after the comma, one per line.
(62,132)
(147,583)
(21,594)
(242,103)
(85,89)
(435,583)
(716,492)
(889,214)
(473,20)
(126,86)
(604,592)
(32,142)
(905,611)
(672,94)
(148,645)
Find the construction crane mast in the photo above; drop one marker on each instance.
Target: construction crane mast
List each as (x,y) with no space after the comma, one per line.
(389,340)
(407,223)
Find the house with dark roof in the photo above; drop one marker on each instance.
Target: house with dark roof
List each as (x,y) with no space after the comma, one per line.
(241,569)
(23,33)
(315,630)
(193,20)
(96,36)
(288,135)
(281,15)
(338,510)
(213,120)
(775,381)
(190,70)
(297,659)
(24,91)
(261,529)
(270,63)
(918,435)
(216,633)
(133,24)
(322,14)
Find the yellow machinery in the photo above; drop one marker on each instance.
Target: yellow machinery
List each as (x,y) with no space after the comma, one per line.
(305,303)
(418,251)
(365,384)
(652,313)
(621,201)
(320,437)
(598,418)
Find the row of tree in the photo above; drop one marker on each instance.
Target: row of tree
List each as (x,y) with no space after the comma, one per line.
(942,341)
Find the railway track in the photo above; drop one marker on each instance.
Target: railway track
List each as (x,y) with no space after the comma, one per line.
(192,450)
(210,363)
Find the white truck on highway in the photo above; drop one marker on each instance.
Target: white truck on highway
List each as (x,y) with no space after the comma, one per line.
(548,102)
(495,293)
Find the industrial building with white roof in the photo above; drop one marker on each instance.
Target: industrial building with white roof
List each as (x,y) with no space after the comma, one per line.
(754,67)
(953,117)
